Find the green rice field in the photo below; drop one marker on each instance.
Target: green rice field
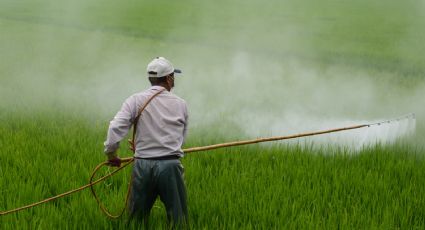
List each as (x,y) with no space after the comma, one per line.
(250,69)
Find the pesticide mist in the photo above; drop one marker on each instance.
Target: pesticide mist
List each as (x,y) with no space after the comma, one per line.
(250,83)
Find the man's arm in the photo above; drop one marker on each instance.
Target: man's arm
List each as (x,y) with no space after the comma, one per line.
(186,123)
(119,127)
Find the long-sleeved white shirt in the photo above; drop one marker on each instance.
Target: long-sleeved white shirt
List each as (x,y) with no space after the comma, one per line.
(161,128)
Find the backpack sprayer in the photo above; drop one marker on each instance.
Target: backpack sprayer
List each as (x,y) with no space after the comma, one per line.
(394,129)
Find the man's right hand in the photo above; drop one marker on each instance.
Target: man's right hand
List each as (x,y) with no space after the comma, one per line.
(114,162)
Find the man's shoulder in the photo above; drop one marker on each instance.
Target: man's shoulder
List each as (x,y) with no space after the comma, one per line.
(181,100)
(141,94)
(136,96)
(146,94)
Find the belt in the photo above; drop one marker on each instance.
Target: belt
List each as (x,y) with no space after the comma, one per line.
(168,157)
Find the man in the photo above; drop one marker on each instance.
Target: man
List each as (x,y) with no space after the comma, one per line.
(160,133)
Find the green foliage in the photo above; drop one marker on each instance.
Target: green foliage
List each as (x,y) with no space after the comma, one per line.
(266,186)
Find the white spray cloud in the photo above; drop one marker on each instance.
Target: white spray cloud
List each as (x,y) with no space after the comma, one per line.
(231,82)
(269,98)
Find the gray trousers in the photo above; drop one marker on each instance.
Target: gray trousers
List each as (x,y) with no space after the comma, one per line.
(151,178)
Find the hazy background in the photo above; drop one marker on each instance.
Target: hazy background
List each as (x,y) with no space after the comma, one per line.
(250,68)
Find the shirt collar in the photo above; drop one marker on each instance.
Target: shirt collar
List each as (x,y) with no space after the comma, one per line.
(157,87)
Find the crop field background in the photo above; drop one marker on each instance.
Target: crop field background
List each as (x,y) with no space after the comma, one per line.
(250,69)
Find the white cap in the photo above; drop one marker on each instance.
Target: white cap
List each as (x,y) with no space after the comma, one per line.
(161,67)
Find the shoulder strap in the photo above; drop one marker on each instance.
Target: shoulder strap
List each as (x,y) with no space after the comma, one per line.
(139,114)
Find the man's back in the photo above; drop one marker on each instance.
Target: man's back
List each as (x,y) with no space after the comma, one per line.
(162,126)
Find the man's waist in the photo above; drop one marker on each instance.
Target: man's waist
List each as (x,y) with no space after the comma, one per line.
(167,157)
(157,152)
